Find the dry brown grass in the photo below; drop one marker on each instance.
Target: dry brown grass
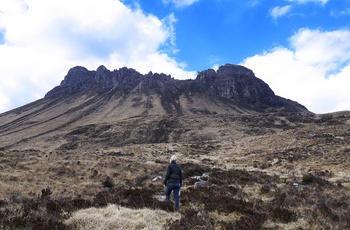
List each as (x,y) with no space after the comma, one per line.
(116,217)
(252,168)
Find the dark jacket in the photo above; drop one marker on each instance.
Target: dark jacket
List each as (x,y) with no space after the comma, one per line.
(173,174)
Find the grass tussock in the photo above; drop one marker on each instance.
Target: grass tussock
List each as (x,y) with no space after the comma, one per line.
(116,217)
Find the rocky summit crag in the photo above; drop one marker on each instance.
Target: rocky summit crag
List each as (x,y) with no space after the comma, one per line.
(230,89)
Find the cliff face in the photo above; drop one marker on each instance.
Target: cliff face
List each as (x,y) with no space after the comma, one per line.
(232,85)
(240,84)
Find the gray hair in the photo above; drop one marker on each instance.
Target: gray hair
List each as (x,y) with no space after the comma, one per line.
(173,158)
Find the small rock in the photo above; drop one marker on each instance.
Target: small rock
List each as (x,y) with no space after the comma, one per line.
(156,178)
(202,183)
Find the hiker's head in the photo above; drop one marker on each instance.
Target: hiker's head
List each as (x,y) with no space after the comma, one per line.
(173,158)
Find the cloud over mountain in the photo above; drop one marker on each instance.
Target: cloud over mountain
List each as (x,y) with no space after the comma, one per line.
(44,39)
(316,64)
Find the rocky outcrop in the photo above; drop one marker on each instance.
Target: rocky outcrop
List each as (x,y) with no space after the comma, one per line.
(232,85)
(238,83)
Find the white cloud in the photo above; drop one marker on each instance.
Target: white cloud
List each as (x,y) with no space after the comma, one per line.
(324,50)
(180,3)
(169,23)
(345,12)
(336,13)
(253,3)
(323,2)
(314,71)
(277,11)
(215,67)
(43,39)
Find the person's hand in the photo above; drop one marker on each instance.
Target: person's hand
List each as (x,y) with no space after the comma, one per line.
(164,186)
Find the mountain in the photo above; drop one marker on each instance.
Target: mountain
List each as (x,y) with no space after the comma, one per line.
(232,89)
(89,98)
(92,150)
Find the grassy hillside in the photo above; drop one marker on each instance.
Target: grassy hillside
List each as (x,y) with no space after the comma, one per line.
(272,171)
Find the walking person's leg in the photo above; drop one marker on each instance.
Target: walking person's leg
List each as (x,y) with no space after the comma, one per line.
(176,195)
(168,192)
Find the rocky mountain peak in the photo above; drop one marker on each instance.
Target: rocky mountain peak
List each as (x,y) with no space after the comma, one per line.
(75,76)
(234,70)
(227,70)
(231,86)
(208,74)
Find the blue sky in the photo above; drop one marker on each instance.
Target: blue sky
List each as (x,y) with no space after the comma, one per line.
(301,48)
(218,31)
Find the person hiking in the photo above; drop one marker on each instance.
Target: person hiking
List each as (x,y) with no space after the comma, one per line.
(173,180)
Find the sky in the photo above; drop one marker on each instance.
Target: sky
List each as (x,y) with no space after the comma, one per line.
(300,48)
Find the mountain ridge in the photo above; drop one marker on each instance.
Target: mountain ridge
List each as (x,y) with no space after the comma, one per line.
(233,83)
(110,98)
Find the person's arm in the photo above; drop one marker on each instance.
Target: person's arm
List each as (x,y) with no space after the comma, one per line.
(180,174)
(167,175)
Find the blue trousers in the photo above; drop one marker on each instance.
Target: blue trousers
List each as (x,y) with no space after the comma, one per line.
(173,187)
